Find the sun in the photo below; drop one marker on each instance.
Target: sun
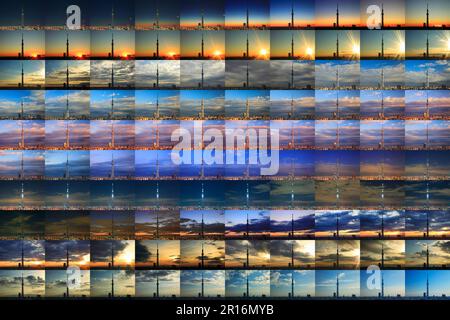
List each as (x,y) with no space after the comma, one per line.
(355,49)
(309,51)
(263,52)
(401,47)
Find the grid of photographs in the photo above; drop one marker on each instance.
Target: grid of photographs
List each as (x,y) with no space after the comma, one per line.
(94,205)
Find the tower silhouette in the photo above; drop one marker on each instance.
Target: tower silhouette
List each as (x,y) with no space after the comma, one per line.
(382,16)
(67,75)
(337,45)
(157,76)
(202,54)
(157,45)
(22,82)
(337,15)
(292,47)
(67,45)
(337,284)
(22,27)
(292,15)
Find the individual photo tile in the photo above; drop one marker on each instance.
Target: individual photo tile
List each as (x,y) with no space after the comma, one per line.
(74,45)
(157,15)
(287,14)
(337,14)
(292,283)
(202,15)
(247,283)
(155,44)
(157,283)
(252,14)
(202,283)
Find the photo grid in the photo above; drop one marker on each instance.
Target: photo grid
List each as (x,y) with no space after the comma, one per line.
(94,205)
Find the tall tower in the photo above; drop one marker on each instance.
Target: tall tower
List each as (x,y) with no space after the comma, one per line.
(22,26)
(157,284)
(112,44)
(292,47)
(382,105)
(382,16)
(112,74)
(337,15)
(337,78)
(337,254)
(112,165)
(382,255)
(337,285)
(428,286)
(292,284)
(202,257)
(292,226)
(427,53)
(202,21)
(202,54)
(247,256)
(112,134)
(112,283)
(67,175)
(247,19)
(382,46)
(428,257)
(382,284)
(292,106)
(337,115)
(67,143)
(247,50)
(337,224)
(157,253)
(67,75)
(22,171)
(111,115)
(67,115)
(202,293)
(337,45)
(22,82)
(337,135)
(157,18)
(428,18)
(202,109)
(382,79)
(22,136)
(247,84)
(292,264)
(292,75)
(202,228)
(247,291)
(202,77)
(157,106)
(67,45)
(157,45)
(292,15)
(247,108)
(157,75)
(21,114)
